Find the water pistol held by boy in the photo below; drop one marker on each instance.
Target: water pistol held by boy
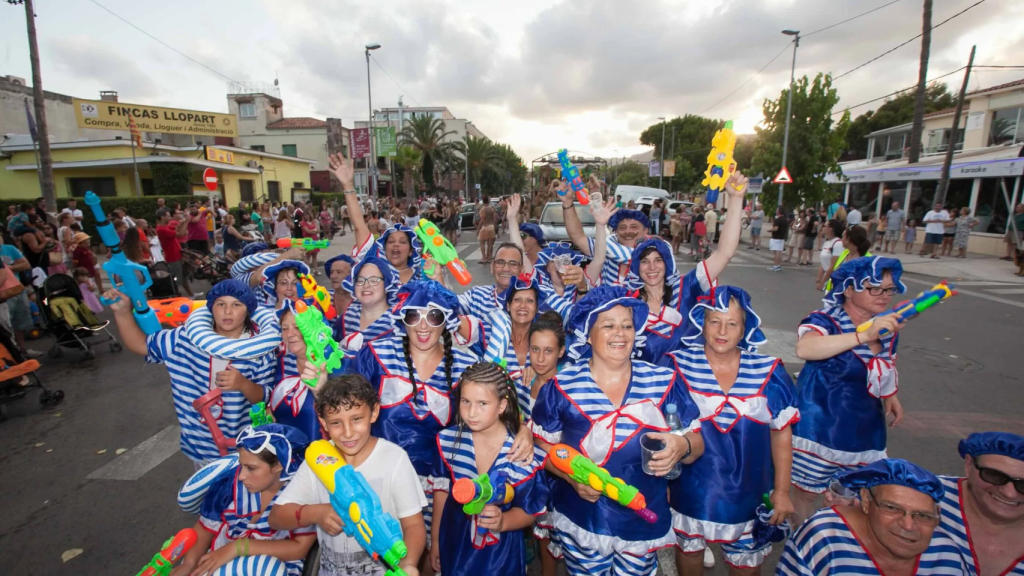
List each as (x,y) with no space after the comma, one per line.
(173,312)
(572,175)
(910,308)
(441,250)
(721,163)
(172,551)
(358,506)
(584,471)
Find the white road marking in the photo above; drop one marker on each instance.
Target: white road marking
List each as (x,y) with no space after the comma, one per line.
(969,293)
(135,463)
(1006,291)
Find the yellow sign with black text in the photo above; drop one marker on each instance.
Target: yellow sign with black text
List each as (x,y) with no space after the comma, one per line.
(218,155)
(102,115)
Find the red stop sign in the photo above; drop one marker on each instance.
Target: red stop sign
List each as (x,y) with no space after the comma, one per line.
(210,179)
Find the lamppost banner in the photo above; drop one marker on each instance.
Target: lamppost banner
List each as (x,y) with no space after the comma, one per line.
(653,169)
(385,144)
(360,142)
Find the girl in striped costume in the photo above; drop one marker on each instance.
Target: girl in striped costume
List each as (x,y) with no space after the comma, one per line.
(747,402)
(234,536)
(486,423)
(255,259)
(890,531)
(602,405)
(281,284)
(227,346)
(848,386)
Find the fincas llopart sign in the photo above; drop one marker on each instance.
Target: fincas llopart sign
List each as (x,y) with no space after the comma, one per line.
(102,115)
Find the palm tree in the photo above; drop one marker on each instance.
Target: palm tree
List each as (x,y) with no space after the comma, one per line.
(411,160)
(481,155)
(427,135)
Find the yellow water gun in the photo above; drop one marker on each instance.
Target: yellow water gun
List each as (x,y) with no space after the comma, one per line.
(721,163)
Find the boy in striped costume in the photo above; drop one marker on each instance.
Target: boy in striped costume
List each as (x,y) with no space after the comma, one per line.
(984,511)
(890,531)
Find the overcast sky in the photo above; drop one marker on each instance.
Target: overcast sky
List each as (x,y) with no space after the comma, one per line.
(588,75)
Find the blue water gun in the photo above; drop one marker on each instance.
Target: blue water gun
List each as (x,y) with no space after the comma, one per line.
(358,506)
(124,269)
(572,175)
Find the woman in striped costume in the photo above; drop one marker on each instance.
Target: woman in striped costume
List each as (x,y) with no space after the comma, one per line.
(280,284)
(228,346)
(747,402)
(602,405)
(890,531)
(292,402)
(374,285)
(848,385)
(235,538)
(338,269)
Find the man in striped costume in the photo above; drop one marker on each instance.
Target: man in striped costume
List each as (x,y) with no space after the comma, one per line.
(890,531)
(507,264)
(984,512)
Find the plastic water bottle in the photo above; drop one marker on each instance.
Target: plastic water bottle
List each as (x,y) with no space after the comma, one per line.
(675,426)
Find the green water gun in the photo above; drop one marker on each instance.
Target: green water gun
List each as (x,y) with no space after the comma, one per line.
(304,243)
(321,349)
(584,471)
(260,415)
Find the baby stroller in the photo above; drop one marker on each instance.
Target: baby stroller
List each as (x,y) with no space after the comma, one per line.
(70,320)
(204,267)
(164,285)
(18,375)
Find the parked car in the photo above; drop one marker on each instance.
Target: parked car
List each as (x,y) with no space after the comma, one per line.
(552,222)
(671,207)
(468,212)
(628,192)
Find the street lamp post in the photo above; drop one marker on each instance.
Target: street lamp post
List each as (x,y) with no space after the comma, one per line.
(371,164)
(467,160)
(789,104)
(661,166)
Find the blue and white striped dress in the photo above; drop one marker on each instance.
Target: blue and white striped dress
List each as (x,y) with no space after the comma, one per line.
(230,512)
(955,526)
(243,268)
(825,545)
(192,373)
(480,300)
(347,327)
(616,261)
(463,549)
(604,537)
(496,345)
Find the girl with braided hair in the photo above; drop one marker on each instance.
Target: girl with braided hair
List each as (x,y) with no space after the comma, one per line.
(480,442)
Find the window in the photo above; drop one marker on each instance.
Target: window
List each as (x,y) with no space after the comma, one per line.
(98,186)
(298,184)
(863,197)
(290,150)
(274,190)
(258,148)
(245,191)
(552,215)
(147,187)
(1006,127)
(922,194)
(247,110)
(938,140)
(991,208)
(958,194)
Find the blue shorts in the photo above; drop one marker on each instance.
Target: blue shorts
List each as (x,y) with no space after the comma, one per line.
(933,238)
(755,230)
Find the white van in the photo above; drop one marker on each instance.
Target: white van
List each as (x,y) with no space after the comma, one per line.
(635,192)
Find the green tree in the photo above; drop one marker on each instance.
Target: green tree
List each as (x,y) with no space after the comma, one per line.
(895,112)
(171,178)
(428,135)
(481,156)
(631,174)
(508,175)
(816,141)
(693,136)
(411,160)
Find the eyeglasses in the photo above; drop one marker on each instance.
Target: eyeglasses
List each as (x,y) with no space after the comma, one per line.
(513,264)
(435,318)
(999,478)
(893,511)
(878,290)
(371,280)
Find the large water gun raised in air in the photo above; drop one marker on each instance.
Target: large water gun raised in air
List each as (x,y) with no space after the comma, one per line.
(441,250)
(358,506)
(319,294)
(173,312)
(721,163)
(321,349)
(584,471)
(306,244)
(476,493)
(172,551)
(908,309)
(125,270)
(572,175)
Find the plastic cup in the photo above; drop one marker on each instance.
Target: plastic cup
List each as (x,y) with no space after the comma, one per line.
(842,495)
(649,445)
(562,263)
(596,198)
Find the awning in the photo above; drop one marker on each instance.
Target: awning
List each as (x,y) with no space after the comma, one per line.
(198,163)
(982,163)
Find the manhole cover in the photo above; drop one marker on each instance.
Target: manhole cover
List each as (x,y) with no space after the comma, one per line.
(942,360)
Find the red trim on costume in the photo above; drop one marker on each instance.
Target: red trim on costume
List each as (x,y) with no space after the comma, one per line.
(865,548)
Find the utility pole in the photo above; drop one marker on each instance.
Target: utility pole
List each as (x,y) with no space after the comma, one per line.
(922,78)
(45,165)
(673,158)
(661,166)
(940,193)
(789,105)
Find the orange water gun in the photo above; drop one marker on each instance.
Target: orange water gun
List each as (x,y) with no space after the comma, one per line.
(173,550)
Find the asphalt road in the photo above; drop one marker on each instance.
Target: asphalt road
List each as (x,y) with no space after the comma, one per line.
(66,490)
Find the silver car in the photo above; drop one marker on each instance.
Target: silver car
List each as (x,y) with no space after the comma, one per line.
(553,224)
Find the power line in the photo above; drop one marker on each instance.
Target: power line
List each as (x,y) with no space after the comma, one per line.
(890,51)
(850,19)
(845,108)
(404,91)
(997,66)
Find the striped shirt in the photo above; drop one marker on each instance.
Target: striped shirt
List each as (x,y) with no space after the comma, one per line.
(251,262)
(349,325)
(479,300)
(192,373)
(616,255)
(955,526)
(826,545)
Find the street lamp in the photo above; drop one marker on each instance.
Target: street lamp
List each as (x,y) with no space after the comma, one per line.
(371,164)
(661,166)
(789,104)
(467,160)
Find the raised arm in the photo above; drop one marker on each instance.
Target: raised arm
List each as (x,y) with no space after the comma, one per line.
(512,216)
(729,239)
(601,216)
(345,173)
(573,226)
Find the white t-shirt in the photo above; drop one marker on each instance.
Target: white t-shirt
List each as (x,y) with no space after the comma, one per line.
(389,472)
(76,213)
(935,227)
(412,221)
(853,217)
(830,248)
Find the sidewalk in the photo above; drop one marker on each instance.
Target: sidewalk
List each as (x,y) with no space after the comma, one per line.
(973,268)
